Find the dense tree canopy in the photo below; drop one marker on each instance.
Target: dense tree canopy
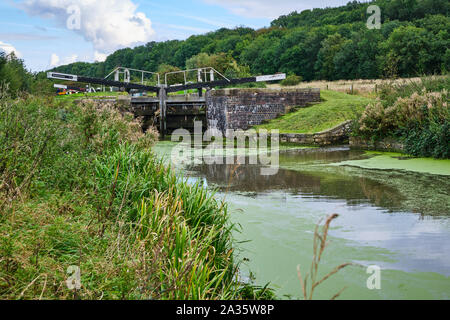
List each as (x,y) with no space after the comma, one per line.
(17,79)
(13,72)
(2,60)
(328,44)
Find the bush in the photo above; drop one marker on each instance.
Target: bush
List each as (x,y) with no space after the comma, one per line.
(291,80)
(390,92)
(80,186)
(419,118)
(380,121)
(13,72)
(432,139)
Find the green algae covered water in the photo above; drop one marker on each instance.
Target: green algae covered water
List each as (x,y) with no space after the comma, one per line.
(394,212)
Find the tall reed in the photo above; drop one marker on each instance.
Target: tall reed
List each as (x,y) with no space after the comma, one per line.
(81,188)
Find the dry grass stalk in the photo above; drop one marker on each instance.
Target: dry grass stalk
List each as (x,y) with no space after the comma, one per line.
(319,245)
(359,85)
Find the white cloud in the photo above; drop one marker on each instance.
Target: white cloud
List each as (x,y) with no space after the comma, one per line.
(99,57)
(185,28)
(70,59)
(16,36)
(107,24)
(270,9)
(54,60)
(8,48)
(212,22)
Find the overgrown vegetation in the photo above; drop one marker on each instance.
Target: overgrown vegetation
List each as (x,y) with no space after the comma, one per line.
(291,80)
(80,187)
(318,44)
(91,95)
(19,79)
(415,113)
(336,108)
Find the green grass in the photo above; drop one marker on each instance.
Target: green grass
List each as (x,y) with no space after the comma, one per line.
(181,92)
(74,96)
(336,108)
(79,186)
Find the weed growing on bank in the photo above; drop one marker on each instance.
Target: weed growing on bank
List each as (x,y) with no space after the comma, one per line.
(80,187)
(416,113)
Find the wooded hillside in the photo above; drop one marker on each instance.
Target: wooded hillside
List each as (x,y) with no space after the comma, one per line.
(326,44)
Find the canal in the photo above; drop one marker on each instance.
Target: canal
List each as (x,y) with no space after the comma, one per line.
(393,213)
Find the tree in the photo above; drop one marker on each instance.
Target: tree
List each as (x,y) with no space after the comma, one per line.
(191,47)
(410,47)
(14,73)
(346,61)
(41,85)
(261,55)
(172,79)
(223,63)
(400,9)
(328,43)
(2,60)
(438,39)
(445,67)
(228,45)
(325,60)
(367,50)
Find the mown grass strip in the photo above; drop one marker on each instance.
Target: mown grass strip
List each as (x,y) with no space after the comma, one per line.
(336,108)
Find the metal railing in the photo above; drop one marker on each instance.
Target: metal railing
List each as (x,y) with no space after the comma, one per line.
(202,75)
(207,74)
(127,74)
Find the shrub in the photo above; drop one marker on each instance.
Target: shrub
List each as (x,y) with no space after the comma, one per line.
(380,121)
(291,80)
(49,144)
(390,92)
(13,72)
(431,139)
(79,186)
(421,120)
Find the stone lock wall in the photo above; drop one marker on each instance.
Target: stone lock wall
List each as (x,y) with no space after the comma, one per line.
(336,135)
(383,145)
(245,108)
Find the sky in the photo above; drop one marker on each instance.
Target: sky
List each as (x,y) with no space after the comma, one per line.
(48,33)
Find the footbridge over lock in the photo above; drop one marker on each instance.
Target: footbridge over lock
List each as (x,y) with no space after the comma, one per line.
(169,106)
(181,111)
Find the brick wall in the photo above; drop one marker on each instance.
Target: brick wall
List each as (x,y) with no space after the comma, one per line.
(245,108)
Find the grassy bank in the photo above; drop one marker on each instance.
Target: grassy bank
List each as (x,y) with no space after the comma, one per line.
(336,108)
(80,187)
(414,113)
(92,95)
(365,87)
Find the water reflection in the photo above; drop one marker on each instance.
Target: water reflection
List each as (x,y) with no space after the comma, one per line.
(355,190)
(320,155)
(308,172)
(376,224)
